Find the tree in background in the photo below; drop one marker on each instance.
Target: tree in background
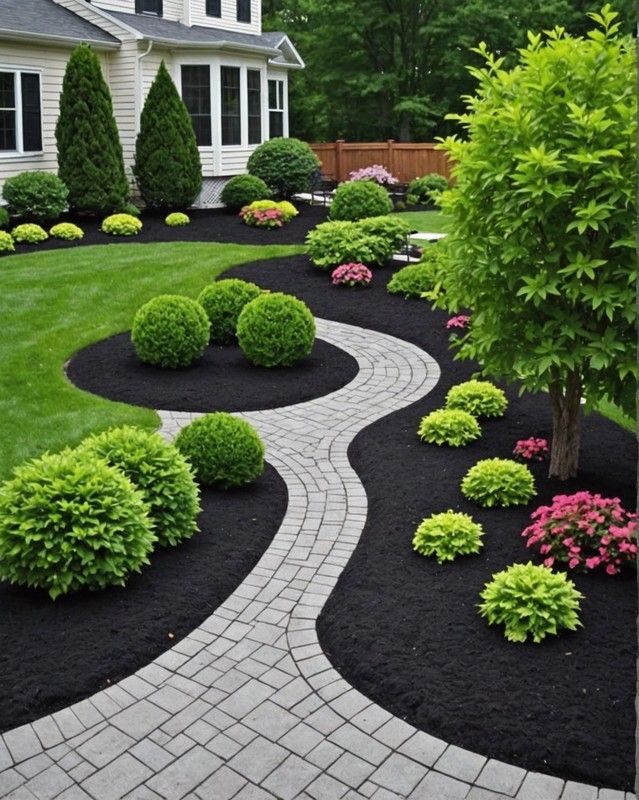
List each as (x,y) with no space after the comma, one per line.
(167,161)
(543,234)
(89,150)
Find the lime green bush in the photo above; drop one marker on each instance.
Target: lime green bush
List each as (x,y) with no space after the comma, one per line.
(170,331)
(530,601)
(355,200)
(242,190)
(223,302)
(121,225)
(222,449)
(276,330)
(332,243)
(159,471)
(67,231)
(413,280)
(448,535)
(176,219)
(6,242)
(392,229)
(288,210)
(286,165)
(499,482)
(450,426)
(4,217)
(69,521)
(479,398)
(29,233)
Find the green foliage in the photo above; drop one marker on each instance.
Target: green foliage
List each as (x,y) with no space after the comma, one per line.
(426,188)
(89,150)
(393,230)
(286,166)
(170,331)
(276,330)
(222,449)
(69,521)
(167,160)
(129,208)
(4,217)
(223,302)
(67,231)
(121,225)
(531,601)
(499,482)
(29,233)
(176,219)
(479,398)
(288,210)
(6,242)
(359,199)
(35,195)
(159,471)
(413,280)
(450,426)
(447,536)
(333,243)
(242,190)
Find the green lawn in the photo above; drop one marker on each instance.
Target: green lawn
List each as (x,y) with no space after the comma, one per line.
(426,221)
(53,303)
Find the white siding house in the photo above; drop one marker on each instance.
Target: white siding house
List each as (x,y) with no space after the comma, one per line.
(232,76)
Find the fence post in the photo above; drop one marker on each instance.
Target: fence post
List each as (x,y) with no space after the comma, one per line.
(338,160)
(391,155)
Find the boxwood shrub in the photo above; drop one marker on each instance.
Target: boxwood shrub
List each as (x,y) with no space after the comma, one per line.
(333,243)
(29,233)
(358,199)
(242,190)
(450,426)
(35,195)
(499,482)
(448,535)
(276,330)
(286,165)
(223,301)
(170,331)
(425,189)
(479,398)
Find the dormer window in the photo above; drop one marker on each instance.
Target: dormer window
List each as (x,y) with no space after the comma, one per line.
(243,10)
(213,8)
(149,7)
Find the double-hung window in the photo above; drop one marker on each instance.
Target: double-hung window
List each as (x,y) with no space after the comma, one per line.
(275,109)
(231,110)
(148,7)
(213,8)
(243,10)
(254,92)
(196,94)
(20,113)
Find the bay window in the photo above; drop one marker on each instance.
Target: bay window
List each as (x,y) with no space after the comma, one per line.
(196,94)
(275,109)
(231,110)
(254,92)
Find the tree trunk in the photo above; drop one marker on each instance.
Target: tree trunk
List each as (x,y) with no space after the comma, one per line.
(405,120)
(565,397)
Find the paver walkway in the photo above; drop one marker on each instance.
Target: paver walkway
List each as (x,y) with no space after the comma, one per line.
(247,706)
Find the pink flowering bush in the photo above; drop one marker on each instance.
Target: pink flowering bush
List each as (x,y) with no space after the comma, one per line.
(460,321)
(531,449)
(262,217)
(376,173)
(586,531)
(354,274)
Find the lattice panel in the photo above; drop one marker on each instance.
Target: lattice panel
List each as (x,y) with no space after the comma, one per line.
(210,196)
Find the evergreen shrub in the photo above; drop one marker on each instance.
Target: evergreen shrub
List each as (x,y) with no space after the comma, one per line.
(223,302)
(426,189)
(358,199)
(286,165)
(4,217)
(242,190)
(35,195)
(170,331)
(276,330)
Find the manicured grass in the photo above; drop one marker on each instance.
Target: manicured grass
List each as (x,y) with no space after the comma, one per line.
(53,303)
(426,221)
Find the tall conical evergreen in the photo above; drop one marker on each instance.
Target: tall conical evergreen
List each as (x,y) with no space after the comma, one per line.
(89,149)
(167,161)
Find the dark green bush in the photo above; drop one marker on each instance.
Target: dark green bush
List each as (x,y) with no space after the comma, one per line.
(223,301)
(286,166)
(35,195)
(426,188)
(358,199)
(170,331)
(333,243)
(448,535)
(242,190)
(479,398)
(499,482)
(222,449)
(276,330)
(159,471)
(4,217)
(450,426)
(393,230)
(69,521)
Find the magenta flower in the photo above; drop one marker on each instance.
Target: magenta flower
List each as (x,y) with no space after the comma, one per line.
(376,173)
(460,321)
(531,449)
(354,274)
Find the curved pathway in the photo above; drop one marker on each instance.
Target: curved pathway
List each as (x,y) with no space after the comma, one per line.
(247,706)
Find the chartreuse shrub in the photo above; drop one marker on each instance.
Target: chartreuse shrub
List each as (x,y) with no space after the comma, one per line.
(530,600)
(29,233)
(426,188)
(222,449)
(450,426)
(286,166)
(288,210)
(35,195)
(121,225)
(499,482)
(176,219)
(479,398)
(6,242)
(67,231)
(159,471)
(223,302)
(392,230)
(4,217)
(358,199)
(70,521)
(448,535)
(276,330)
(412,280)
(170,331)
(242,190)
(333,243)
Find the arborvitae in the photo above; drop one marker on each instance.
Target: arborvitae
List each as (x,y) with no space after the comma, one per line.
(167,161)
(89,149)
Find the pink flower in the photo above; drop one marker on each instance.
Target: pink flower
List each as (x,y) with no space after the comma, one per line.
(573,563)
(548,562)
(611,569)
(593,562)
(460,321)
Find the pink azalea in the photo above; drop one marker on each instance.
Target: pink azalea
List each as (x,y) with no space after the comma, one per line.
(460,321)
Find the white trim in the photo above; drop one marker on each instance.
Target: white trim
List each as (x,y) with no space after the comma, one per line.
(229,148)
(22,36)
(20,152)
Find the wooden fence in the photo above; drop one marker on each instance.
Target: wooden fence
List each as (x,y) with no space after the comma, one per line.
(405,160)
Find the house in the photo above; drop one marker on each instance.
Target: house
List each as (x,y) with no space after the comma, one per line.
(232,77)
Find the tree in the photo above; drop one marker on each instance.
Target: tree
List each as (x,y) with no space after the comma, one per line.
(167,161)
(89,150)
(543,216)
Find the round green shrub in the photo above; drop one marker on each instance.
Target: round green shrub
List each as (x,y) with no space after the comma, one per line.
(121,225)
(392,230)
(170,331)
(447,536)
(69,521)
(450,426)
(332,243)
(426,188)
(479,398)
(413,280)
(358,199)
(276,330)
(4,217)
(159,471)
(499,482)
(176,219)
(29,233)
(223,302)
(242,190)
(288,210)
(67,231)
(222,449)
(286,166)
(6,242)
(531,601)
(35,195)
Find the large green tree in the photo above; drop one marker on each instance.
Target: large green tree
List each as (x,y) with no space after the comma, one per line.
(89,149)
(543,224)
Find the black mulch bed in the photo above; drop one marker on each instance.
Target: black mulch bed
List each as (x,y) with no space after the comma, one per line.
(222,379)
(405,631)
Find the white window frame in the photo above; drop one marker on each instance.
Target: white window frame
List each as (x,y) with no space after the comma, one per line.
(281,97)
(243,106)
(20,152)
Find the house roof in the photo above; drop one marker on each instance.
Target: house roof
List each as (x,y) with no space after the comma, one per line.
(44,19)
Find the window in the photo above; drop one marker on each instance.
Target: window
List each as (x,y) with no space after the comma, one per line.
(243,10)
(231,120)
(275,109)
(214,8)
(148,7)
(196,93)
(20,115)
(254,91)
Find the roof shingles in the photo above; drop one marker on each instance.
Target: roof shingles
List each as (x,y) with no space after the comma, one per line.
(48,19)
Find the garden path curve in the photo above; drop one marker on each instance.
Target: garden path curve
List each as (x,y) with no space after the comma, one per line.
(248,706)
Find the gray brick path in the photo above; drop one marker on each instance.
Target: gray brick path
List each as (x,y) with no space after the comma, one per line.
(247,706)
